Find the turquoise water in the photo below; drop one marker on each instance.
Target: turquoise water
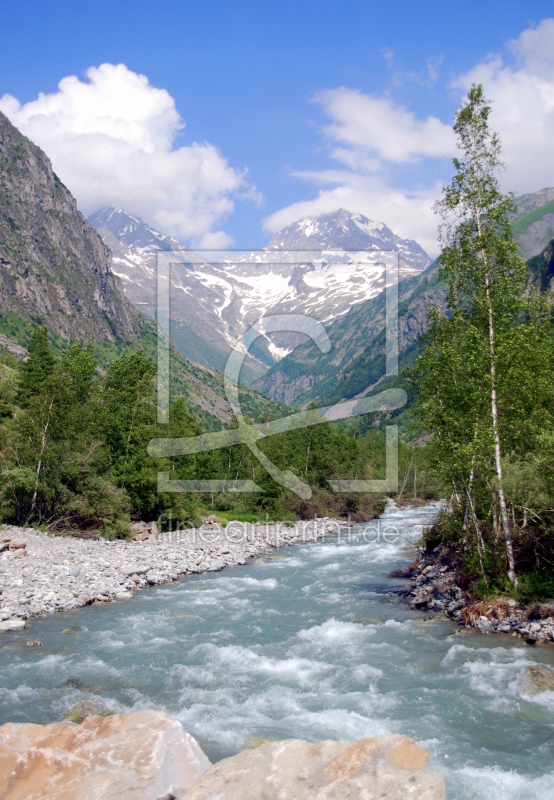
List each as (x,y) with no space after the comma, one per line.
(308,644)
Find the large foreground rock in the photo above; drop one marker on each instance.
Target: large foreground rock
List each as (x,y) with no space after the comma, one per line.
(378,768)
(126,756)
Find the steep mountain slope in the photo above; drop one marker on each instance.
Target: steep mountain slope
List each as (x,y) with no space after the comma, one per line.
(53,265)
(356,362)
(214,303)
(55,269)
(542,270)
(534,222)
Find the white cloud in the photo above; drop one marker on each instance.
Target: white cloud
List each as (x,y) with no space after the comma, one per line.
(367,127)
(111,140)
(373,138)
(522,107)
(368,135)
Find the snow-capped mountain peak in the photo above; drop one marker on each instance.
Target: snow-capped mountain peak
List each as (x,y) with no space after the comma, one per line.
(345,230)
(309,267)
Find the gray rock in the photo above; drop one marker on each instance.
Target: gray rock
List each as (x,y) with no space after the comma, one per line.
(134,569)
(12,625)
(535,680)
(88,708)
(484,625)
(215,566)
(388,767)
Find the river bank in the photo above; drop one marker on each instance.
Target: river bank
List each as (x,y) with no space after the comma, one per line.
(41,574)
(434,586)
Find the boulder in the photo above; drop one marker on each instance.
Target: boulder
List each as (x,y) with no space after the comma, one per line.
(134,569)
(88,708)
(129,756)
(12,625)
(210,524)
(536,679)
(388,767)
(143,531)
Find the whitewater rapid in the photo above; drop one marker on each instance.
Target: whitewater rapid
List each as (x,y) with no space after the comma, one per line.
(313,642)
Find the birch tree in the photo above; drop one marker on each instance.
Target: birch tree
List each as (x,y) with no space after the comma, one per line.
(487,280)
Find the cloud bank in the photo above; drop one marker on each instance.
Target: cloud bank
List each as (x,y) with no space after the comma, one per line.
(372,140)
(111,140)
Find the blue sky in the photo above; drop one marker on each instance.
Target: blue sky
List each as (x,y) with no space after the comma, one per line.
(243,77)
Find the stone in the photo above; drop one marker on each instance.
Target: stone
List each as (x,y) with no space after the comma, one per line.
(129,756)
(420,602)
(12,625)
(134,569)
(17,545)
(144,531)
(535,680)
(33,643)
(484,625)
(215,566)
(88,708)
(388,767)
(210,524)
(123,595)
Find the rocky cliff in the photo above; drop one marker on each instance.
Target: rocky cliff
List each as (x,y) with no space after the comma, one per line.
(54,267)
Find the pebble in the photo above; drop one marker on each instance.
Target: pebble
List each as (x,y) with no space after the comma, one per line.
(57,573)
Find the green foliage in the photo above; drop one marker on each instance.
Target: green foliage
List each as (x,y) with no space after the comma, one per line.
(38,366)
(485,377)
(75,456)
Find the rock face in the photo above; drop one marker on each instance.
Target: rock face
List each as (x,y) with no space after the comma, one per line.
(53,264)
(130,756)
(384,767)
(534,221)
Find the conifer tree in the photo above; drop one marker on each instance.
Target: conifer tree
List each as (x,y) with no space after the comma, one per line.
(38,366)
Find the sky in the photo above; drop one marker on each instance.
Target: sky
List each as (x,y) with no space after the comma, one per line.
(221,122)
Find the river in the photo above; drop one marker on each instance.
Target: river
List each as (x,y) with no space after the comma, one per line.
(313,642)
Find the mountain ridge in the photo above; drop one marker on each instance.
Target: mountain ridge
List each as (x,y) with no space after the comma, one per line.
(53,264)
(56,270)
(214,303)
